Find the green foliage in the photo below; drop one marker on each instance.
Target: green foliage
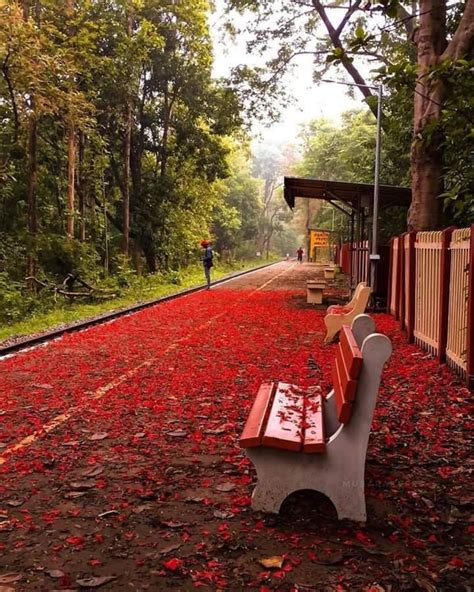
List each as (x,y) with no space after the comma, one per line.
(86,68)
(22,314)
(61,256)
(384,34)
(15,302)
(236,219)
(346,152)
(452,132)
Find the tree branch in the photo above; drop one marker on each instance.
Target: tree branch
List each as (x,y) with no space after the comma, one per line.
(286,62)
(463,38)
(349,66)
(347,16)
(5,70)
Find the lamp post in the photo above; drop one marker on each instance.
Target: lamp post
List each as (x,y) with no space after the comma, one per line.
(374,255)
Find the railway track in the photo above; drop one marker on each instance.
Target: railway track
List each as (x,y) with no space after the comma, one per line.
(115,314)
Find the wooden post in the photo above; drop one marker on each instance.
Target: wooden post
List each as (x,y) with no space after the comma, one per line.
(351,250)
(398,283)
(390,271)
(410,288)
(401,289)
(470,314)
(444,281)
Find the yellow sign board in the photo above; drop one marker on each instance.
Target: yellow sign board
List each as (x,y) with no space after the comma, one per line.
(319,238)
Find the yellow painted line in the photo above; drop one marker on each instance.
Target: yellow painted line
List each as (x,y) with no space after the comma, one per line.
(274,278)
(103,390)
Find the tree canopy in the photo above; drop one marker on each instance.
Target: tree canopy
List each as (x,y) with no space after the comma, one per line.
(422,51)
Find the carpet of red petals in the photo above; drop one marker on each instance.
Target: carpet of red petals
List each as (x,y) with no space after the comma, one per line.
(144,486)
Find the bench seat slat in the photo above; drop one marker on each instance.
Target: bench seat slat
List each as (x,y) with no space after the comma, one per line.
(348,384)
(256,421)
(350,352)
(314,440)
(343,406)
(284,426)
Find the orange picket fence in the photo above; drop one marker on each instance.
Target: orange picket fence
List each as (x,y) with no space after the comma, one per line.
(431,292)
(460,299)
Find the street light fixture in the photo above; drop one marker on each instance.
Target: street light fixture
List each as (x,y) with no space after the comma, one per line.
(374,255)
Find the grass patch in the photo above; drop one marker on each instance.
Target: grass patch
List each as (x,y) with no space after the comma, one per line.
(141,289)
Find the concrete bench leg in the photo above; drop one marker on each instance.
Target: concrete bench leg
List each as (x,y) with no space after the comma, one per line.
(267,498)
(281,473)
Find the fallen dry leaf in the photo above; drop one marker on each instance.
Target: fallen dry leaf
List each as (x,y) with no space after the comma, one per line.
(93,471)
(225,487)
(55,573)
(10,578)
(276,561)
(82,485)
(108,513)
(169,548)
(98,436)
(173,524)
(95,582)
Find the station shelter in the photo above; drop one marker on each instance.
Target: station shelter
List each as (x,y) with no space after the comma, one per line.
(355,201)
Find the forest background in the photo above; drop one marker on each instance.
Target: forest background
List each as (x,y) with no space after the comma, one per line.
(119,150)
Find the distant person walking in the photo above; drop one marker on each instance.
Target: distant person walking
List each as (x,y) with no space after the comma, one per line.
(206,258)
(300,252)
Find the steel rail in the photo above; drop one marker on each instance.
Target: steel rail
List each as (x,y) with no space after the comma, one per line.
(115,314)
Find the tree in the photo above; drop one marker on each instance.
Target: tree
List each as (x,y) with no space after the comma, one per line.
(345,152)
(270,165)
(434,53)
(123,92)
(236,216)
(296,26)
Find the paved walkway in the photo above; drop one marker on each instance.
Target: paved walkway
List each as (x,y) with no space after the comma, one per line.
(119,456)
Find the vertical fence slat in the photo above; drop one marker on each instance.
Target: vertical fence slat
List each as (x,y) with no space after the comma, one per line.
(470,313)
(410,284)
(459,332)
(444,277)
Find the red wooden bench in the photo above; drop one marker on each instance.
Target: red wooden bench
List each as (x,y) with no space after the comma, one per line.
(302,440)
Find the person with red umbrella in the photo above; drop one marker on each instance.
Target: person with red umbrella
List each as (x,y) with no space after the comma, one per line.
(206,258)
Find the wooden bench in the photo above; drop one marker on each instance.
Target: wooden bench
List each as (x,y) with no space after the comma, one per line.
(329,273)
(314,291)
(303,440)
(339,316)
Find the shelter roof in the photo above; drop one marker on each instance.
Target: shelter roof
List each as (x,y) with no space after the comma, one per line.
(354,195)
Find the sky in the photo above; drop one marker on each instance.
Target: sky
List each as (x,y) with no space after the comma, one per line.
(324,99)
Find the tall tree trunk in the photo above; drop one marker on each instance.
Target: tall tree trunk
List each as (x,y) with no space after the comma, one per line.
(71,169)
(32,185)
(126,180)
(32,173)
(166,126)
(150,256)
(427,153)
(81,188)
(71,154)
(126,162)
(26,9)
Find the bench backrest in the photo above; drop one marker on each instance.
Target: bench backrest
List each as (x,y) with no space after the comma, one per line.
(346,368)
(355,295)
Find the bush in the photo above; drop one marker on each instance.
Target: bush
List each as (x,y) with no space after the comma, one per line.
(58,256)
(15,301)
